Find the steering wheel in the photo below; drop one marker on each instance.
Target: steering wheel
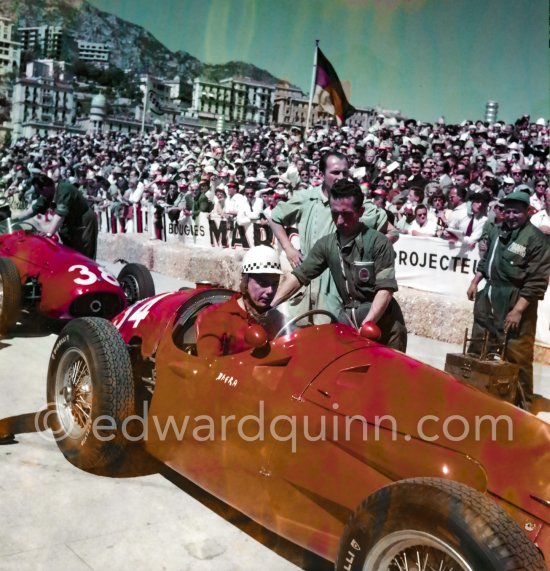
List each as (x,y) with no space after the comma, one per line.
(297,318)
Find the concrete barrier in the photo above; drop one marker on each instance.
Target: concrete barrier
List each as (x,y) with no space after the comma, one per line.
(426,314)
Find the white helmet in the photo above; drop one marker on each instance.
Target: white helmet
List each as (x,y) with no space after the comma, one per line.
(261,260)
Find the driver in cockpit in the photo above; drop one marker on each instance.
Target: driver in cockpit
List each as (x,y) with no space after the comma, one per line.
(221,329)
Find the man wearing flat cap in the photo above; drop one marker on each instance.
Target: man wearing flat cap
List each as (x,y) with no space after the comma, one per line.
(516,266)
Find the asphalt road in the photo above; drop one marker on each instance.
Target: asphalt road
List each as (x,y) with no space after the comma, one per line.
(54,516)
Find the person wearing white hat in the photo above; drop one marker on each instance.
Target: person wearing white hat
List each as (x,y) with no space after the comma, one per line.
(222,329)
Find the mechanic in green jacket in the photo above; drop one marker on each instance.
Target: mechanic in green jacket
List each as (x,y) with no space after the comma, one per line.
(73,216)
(308,210)
(361,262)
(516,266)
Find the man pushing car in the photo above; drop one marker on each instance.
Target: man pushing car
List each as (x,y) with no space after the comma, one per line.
(73,217)
(362,263)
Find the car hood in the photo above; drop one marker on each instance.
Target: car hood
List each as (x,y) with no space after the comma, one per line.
(422,404)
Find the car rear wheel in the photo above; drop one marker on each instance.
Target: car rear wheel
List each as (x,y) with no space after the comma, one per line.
(430,523)
(137,282)
(90,393)
(10,294)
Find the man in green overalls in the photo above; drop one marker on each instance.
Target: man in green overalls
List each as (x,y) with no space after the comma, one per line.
(516,266)
(361,262)
(73,216)
(308,211)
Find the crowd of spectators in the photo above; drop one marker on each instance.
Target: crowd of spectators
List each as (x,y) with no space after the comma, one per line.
(438,180)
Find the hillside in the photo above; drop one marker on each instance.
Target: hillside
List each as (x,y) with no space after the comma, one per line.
(132,47)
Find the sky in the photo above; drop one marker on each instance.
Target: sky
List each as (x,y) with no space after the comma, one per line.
(426,58)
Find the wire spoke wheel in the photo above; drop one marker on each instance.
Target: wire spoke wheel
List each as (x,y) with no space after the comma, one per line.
(130,287)
(413,550)
(434,524)
(136,282)
(74,394)
(90,393)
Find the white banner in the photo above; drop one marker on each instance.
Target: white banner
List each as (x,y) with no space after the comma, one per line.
(433,264)
(438,266)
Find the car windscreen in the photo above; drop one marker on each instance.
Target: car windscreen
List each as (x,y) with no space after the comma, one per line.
(8,226)
(184,334)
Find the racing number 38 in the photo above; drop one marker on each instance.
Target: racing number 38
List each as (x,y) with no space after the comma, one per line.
(88,276)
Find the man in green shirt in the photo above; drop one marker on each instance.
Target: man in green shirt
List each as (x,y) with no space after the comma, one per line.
(308,211)
(73,217)
(516,266)
(361,261)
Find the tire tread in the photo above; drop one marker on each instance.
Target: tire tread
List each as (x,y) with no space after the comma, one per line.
(501,534)
(114,388)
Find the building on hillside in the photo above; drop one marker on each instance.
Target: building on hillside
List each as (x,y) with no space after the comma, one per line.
(10,52)
(289,105)
(100,120)
(162,97)
(94,52)
(240,100)
(235,100)
(45,40)
(43,100)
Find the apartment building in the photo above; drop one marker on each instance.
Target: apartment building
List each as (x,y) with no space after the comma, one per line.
(43,99)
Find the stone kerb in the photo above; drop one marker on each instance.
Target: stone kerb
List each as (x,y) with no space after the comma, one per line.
(192,263)
(426,314)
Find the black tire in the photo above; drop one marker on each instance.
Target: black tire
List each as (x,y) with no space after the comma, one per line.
(10,294)
(447,522)
(90,375)
(137,282)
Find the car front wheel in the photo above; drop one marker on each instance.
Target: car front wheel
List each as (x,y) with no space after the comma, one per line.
(430,523)
(137,282)
(90,393)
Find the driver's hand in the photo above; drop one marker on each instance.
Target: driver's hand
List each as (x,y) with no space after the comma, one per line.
(294,256)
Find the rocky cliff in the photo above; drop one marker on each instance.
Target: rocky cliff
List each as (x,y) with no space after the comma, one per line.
(132,47)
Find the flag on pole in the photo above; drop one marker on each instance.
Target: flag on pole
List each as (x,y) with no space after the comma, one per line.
(329,93)
(154,103)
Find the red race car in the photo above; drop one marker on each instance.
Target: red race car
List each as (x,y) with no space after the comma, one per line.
(345,447)
(40,274)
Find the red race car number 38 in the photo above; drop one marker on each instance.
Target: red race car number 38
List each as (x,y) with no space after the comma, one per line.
(88,276)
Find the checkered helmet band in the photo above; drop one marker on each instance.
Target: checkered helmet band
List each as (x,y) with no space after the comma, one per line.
(261,260)
(260,266)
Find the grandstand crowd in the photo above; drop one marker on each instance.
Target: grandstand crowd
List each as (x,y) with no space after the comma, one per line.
(439,180)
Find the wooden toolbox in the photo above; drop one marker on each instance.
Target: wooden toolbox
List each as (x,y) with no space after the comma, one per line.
(487,371)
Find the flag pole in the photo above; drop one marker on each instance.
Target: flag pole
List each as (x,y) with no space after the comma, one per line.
(311,91)
(145,101)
